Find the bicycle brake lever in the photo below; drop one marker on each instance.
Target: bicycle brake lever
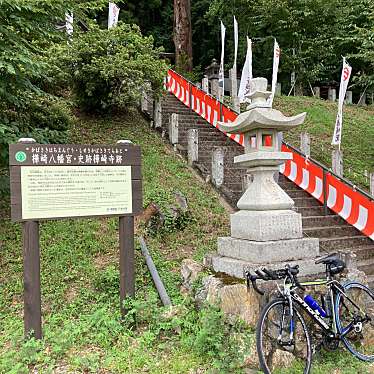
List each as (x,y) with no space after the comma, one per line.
(269,273)
(254,284)
(262,274)
(252,278)
(298,283)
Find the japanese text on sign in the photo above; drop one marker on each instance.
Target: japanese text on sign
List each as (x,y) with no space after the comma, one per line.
(65,191)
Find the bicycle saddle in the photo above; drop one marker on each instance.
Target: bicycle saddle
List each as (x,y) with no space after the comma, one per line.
(333,262)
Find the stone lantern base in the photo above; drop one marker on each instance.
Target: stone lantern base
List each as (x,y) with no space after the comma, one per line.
(265,238)
(237,268)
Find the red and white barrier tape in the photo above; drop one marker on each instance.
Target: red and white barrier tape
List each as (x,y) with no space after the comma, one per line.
(349,204)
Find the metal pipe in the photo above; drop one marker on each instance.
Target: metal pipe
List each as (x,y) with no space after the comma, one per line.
(154,273)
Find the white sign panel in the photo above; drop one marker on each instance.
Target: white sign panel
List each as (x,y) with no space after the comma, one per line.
(247,75)
(276,59)
(236,41)
(113,15)
(69,20)
(75,191)
(344,80)
(221,78)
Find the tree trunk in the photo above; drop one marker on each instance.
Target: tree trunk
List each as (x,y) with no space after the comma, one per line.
(183,35)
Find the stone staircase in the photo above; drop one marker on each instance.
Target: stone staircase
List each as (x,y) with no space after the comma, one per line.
(333,232)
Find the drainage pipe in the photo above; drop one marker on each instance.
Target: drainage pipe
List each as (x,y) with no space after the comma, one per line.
(155,276)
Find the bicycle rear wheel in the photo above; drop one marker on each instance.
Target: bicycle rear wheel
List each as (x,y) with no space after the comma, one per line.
(276,352)
(356,322)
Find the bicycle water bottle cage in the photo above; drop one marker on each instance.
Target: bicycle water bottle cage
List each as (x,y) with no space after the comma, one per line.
(333,263)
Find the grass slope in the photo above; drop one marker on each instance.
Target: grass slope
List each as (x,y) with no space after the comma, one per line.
(357,139)
(83,332)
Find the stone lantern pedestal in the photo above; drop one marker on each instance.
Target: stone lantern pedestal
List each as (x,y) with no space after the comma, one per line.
(266,231)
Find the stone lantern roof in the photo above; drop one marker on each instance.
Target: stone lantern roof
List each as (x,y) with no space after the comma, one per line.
(260,115)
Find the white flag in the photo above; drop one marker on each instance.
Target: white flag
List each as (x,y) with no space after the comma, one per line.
(69,19)
(344,80)
(113,15)
(221,78)
(236,40)
(246,73)
(276,59)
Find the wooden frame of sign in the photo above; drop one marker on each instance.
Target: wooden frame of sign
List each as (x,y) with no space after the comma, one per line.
(55,181)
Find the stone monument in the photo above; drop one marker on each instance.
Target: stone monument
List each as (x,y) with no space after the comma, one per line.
(266,231)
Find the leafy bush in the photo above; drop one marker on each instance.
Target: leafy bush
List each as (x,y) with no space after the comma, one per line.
(43,118)
(106,69)
(26,30)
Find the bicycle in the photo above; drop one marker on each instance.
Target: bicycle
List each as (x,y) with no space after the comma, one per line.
(346,315)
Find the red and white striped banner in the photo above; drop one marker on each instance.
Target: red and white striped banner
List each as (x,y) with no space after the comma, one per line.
(205,105)
(179,87)
(342,199)
(230,116)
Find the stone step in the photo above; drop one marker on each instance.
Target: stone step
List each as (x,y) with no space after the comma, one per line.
(322,220)
(344,242)
(203,131)
(236,188)
(285,183)
(289,187)
(370,279)
(364,252)
(331,231)
(297,193)
(186,118)
(308,211)
(202,127)
(306,201)
(207,144)
(185,113)
(367,266)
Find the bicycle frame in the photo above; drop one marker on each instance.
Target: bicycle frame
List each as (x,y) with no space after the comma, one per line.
(333,287)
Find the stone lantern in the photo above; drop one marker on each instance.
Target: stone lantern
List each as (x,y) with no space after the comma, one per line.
(266,230)
(212,72)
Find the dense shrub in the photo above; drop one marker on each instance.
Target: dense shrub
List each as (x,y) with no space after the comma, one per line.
(107,68)
(42,117)
(27,29)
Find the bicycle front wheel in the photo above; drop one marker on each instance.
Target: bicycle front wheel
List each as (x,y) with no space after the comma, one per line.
(283,342)
(355,319)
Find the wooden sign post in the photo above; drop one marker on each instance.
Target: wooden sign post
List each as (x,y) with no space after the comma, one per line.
(54,181)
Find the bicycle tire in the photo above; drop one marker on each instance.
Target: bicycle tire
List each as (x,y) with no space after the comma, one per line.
(260,331)
(355,339)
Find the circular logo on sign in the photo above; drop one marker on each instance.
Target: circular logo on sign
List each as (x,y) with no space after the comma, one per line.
(20,156)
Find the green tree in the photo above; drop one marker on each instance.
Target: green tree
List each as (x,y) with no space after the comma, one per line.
(27,28)
(106,69)
(313,34)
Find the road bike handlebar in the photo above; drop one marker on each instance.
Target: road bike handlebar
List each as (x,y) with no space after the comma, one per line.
(265,274)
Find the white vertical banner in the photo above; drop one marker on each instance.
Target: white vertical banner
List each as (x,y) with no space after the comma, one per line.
(221,78)
(236,41)
(276,59)
(69,20)
(344,80)
(113,15)
(247,74)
